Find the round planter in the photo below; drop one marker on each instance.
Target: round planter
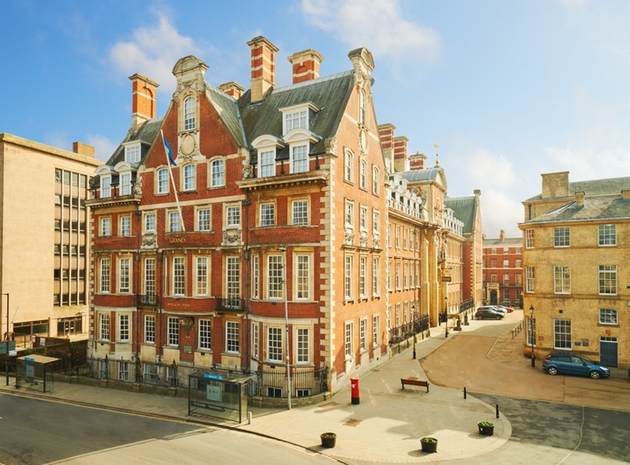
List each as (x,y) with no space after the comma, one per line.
(328,440)
(427,446)
(486,430)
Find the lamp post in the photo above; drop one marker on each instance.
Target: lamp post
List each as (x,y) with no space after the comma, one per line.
(6,338)
(413,309)
(286,321)
(532,335)
(446,315)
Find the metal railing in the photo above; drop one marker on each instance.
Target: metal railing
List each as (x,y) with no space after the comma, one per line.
(407,330)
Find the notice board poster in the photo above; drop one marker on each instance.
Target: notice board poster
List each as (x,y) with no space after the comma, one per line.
(213,392)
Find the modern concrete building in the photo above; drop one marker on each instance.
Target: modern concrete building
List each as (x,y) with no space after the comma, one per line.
(503,270)
(44,256)
(577,268)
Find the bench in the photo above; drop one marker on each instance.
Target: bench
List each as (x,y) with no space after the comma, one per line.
(414,382)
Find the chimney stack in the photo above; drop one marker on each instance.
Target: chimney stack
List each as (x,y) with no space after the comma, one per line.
(579,199)
(400,153)
(502,235)
(305,65)
(143,92)
(233,89)
(263,67)
(416,161)
(555,185)
(83,149)
(386,134)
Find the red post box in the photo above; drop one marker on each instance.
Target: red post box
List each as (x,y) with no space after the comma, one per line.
(354,390)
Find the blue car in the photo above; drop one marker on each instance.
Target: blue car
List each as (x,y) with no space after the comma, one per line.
(569,364)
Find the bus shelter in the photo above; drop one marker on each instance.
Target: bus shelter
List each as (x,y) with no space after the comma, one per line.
(35,372)
(217,396)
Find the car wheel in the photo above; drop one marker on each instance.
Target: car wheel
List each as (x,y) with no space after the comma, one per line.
(595,374)
(552,371)
(498,317)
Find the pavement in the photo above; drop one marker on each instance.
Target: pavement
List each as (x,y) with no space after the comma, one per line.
(385,427)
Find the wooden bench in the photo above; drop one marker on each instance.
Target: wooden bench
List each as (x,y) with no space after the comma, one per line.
(414,382)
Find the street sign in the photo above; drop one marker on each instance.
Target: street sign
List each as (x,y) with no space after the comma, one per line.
(6,347)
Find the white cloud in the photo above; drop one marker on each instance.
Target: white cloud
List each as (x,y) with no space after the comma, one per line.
(153,51)
(481,167)
(380,26)
(500,212)
(103,147)
(59,140)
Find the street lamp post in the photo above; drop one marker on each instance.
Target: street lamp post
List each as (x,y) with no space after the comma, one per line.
(286,321)
(413,309)
(532,335)
(446,315)
(6,338)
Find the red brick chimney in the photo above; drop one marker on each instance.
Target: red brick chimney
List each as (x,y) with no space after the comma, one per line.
(263,67)
(305,65)
(386,134)
(143,92)
(416,161)
(400,153)
(233,89)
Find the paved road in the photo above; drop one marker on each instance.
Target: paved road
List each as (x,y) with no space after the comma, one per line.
(468,361)
(35,432)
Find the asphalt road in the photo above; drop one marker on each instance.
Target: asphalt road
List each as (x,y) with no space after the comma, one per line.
(35,432)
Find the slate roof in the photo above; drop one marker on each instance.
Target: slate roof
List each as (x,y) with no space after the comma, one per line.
(506,241)
(595,208)
(329,94)
(464,209)
(610,186)
(428,174)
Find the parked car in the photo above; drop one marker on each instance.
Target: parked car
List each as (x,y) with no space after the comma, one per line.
(569,364)
(507,309)
(493,307)
(487,313)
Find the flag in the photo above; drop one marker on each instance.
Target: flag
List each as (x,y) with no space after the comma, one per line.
(169,150)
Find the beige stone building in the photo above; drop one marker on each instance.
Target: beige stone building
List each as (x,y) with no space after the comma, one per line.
(576,268)
(43,241)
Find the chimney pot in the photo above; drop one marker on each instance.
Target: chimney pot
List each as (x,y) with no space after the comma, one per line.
(416,161)
(233,89)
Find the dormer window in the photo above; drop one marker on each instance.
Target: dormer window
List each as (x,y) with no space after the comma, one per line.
(132,153)
(267,163)
(299,158)
(297,117)
(106,186)
(190,120)
(125,184)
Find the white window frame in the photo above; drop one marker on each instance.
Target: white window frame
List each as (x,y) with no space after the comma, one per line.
(124,327)
(297,118)
(363,323)
(607,235)
(376,180)
(105,275)
(149,276)
(267,163)
(133,153)
(608,316)
(303,346)
(530,279)
(205,334)
(299,162)
(348,340)
(267,214)
(149,329)
(106,186)
(149,222)
(232,216)
(125,226)
(172,331)
(217,173)
(106,227)
(607,277)
(375,324)
(375,275)
(561,279)
(561,237)
(204,219)
(348,277)
(104,326)
(255,277)
(363,174)
(299,212)
(275,288)
(349,214)
(561,338)
(161,181)
(189,174)
(179,276)
(202,273)
(233,277)
(363,277)
(174,222)
(529,238)
(124,275)
(348,160)
(232,337)
(302,277)
(125,183)
(275,347)
(255,340)
(190,113)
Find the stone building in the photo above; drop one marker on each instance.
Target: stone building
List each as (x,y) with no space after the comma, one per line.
(44,255)
(503,270)
(576,268)
(259,248)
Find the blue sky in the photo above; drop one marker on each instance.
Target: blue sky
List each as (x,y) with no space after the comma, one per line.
(507,89)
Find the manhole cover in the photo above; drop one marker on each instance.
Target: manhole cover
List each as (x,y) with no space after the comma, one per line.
(352,422)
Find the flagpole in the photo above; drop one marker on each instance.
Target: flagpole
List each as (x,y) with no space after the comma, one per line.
(169,161)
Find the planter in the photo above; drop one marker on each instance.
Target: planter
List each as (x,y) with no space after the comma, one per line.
(328,440)
(486,428)
(429,445)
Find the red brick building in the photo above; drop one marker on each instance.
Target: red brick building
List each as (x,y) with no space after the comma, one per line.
(503,270)
(259,248)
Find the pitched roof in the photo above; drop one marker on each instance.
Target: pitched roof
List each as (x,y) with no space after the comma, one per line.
(506,241)
(609,186)
(464,209)
(428,174)
(595,208)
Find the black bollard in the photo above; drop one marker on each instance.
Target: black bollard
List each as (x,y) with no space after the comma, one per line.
(464,392)
(497,410)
